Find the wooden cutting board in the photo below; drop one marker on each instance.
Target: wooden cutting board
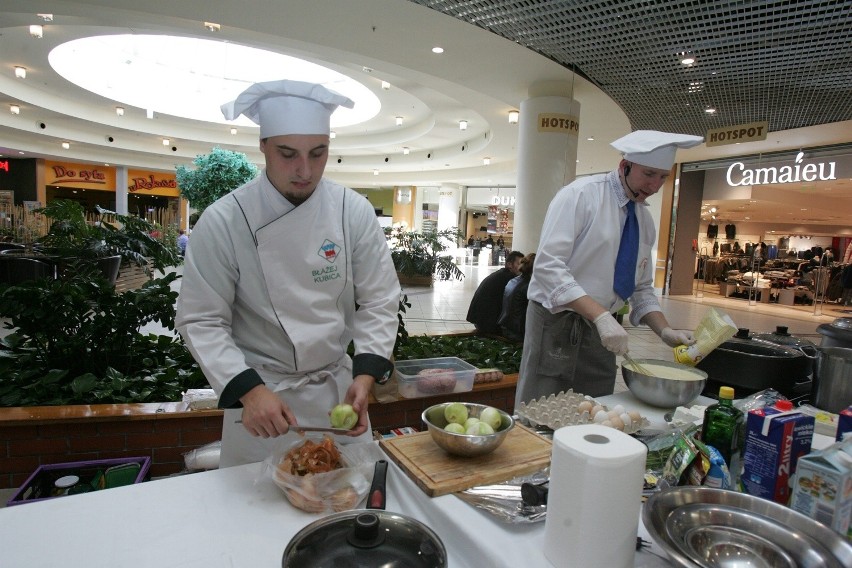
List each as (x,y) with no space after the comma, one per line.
(437,473)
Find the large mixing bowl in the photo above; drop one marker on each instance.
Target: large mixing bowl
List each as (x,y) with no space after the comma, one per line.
(463,444)
(693,525)
(661,391)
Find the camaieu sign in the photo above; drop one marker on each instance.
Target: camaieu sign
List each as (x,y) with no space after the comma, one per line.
(739,174)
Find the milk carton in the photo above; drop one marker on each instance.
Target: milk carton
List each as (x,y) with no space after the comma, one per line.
(823,487)
(775,440)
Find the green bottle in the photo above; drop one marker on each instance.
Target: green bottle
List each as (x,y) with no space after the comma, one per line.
(724,429)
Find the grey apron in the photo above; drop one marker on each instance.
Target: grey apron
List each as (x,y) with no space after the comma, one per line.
(562,351)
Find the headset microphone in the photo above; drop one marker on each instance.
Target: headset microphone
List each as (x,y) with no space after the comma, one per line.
(627,173)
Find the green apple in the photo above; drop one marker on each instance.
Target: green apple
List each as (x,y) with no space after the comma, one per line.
(454,428)
(343,416)
(455,412)
(479,429)
(470,422)
(492,417)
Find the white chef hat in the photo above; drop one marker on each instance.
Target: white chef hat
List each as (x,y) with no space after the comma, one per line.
(654,149)
(287,107)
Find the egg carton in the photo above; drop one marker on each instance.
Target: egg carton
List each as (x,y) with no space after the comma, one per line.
(572,408)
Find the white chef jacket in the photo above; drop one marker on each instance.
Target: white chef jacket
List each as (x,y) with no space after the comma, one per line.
(579,245)
(273,288)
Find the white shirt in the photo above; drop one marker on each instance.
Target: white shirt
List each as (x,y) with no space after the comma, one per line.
(579,245)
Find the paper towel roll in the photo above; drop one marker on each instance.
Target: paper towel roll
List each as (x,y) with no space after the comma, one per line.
(596,478)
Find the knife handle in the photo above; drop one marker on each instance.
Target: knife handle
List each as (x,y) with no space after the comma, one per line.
(377,497)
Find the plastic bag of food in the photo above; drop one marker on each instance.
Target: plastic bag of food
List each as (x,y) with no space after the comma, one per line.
(713,330)
(318,475)
(205,457)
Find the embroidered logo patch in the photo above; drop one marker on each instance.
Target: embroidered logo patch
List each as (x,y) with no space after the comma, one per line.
(329,251)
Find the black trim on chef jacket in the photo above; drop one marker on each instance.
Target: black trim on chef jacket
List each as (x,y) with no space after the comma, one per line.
(237,387)
(372,364)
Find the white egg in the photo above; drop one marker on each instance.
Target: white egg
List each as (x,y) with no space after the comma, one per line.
(606,423)
(618,408)
(635,416)
(595,409)
(600,416)
(626,419)
(617,423)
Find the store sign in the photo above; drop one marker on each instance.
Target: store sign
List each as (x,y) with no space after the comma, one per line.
(503,200)
(4,165)
(751,132)
(153,183)
(738,174)
(83,176)
(558,122)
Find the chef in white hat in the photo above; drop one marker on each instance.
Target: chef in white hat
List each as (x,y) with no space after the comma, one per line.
(584,274)
(275,273)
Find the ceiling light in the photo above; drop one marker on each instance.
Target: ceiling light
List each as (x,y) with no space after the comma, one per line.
(710,110)
(462,125)
(437,49)
(45,17)
(119,111)
(332,135)
(375,172)
(37,31)
(166,142)
(66,145)
(486,161)
(233,131)
(15,109)
(406,150)
(591,138)
(211,27)
(385,85)
(399,121)
(149,113)
(514,116)
(686,59)
(712,210)
(20,72)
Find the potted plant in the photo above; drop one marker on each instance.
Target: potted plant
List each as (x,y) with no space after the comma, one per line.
(420,257)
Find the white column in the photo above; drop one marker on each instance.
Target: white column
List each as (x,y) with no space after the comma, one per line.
(449,200)
(121,184)
(547,157)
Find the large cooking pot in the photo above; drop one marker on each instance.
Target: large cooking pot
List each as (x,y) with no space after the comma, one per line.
(832,385)
(837,333)
(366,538)
(751,364)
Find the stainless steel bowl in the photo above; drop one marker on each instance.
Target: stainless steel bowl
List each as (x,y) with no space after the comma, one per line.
(659,391)
(681,520)
(462,444)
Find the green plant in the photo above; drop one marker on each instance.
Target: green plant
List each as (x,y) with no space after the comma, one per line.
(70,237)
(424,254)
(216,174)
(76,341)
(481,352)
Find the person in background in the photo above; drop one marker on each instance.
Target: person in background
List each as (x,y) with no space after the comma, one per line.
(182,241)
(594,253)
(513,317)
(283,274)
(487,301)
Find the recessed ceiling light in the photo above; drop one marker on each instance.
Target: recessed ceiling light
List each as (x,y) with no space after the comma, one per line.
(37,31)
(406,150)
(66,145)
(166,142)
(399,121)
(212,27)
(591,138)
(462,125)
(514,116)
(437,49)
(687,59)
(14,109)
(486,161)
(45,17)
(385,85)
(149,113)
(233,131)
(20,72)
(710,110)
(119,111)
(332,135)
(375,172)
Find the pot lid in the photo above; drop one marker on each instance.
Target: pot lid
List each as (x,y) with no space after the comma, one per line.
(842,323)
(782,337)
(365,538)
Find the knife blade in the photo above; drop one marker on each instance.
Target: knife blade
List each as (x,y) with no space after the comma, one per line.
(299,428)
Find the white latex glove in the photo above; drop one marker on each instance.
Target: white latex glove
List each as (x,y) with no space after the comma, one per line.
(613,336)
(675,337)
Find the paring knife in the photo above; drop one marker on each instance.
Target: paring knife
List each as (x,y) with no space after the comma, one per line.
(299,428)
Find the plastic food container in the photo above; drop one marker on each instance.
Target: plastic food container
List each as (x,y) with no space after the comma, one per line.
(430,377)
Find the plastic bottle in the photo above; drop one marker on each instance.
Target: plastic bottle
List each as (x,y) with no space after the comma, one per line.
(724,429)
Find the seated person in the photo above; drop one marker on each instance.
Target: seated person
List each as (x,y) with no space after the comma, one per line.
(488,299)
(513,318)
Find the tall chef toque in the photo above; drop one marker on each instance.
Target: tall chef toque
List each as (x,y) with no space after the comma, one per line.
(287,107)
(654,149)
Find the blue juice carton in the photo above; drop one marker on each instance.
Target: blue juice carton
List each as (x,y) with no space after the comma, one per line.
(844,423)
(776,437)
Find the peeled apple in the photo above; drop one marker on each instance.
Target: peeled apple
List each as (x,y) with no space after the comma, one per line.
(454,428)
(491,416)
(479,429)
(343,416)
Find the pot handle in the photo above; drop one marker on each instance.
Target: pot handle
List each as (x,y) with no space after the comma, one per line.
(377,498)
(809,351)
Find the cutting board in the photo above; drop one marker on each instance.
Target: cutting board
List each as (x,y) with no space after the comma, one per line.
(437,473)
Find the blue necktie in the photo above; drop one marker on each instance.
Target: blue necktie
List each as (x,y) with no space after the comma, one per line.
(625,263)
